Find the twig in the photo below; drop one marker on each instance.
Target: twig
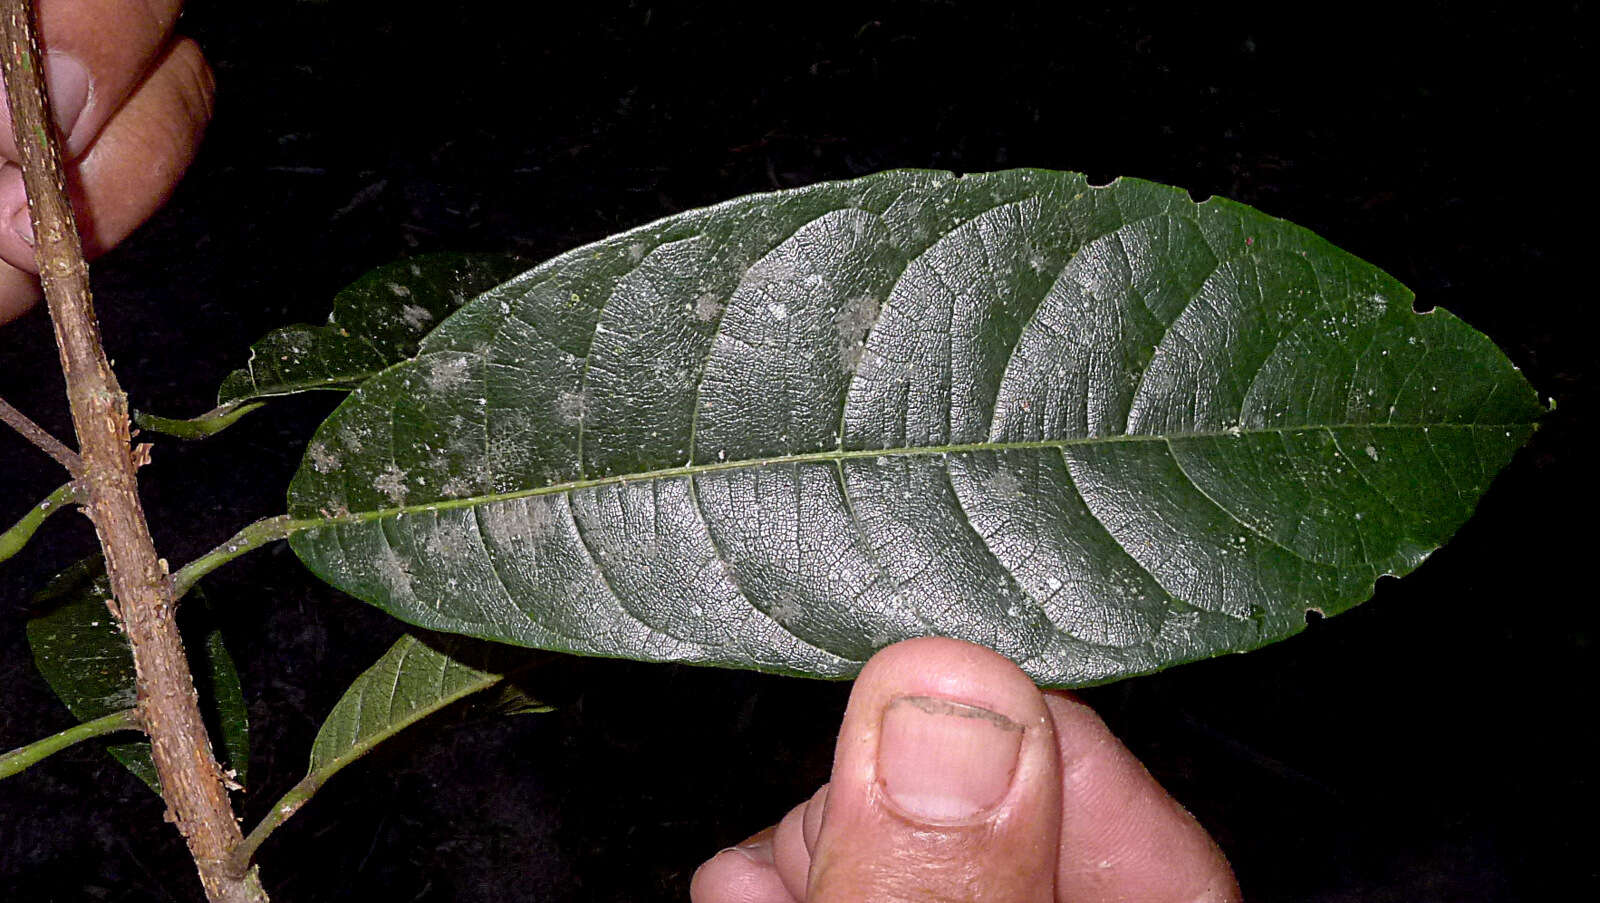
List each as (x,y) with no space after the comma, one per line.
(12,541)
(37,434)
(191,779)
(287,805)
(249,539)
(27,756)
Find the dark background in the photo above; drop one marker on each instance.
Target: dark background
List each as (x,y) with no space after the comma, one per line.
(1429,746)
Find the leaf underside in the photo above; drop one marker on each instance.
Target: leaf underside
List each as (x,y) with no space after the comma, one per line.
(86,660)
(1102,430)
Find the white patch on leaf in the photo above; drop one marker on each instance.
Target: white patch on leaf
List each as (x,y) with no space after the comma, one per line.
(392,484)
(322,460)
(853,322)
(416,317)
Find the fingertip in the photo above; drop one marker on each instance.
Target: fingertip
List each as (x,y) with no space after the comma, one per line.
(141,153)
(944,782)
(69,88)
(16,246)
(191,87)
(97,52)
(812,824)
(1122,835)
(793,840)
(19,291)
(741,874)
(133,166)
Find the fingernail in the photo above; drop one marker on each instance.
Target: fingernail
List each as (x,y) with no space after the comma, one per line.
(69,90)
(943,761)
(22,224)
(757,848)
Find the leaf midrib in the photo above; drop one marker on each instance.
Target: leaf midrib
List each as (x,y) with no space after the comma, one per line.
(839,454)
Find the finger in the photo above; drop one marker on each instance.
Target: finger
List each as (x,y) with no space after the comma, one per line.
(785,846)
(18,292)
(1122,836)
(794,839)
(132,167)
(96,54)
(741,874)
(945,783)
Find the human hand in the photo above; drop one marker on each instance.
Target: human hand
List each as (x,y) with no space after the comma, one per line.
(955,778)
(131,101)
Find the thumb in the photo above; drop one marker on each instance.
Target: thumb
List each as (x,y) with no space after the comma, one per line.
(946,783)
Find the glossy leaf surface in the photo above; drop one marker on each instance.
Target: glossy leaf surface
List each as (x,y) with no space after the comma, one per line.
(1101,430)
(85,659)
(376,321)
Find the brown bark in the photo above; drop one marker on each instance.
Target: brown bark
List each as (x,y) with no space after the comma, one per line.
(191,780)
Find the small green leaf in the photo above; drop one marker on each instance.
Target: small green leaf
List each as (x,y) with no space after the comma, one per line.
(1103,430)
(86,660)
(417,677)
(218,681)
(376,321)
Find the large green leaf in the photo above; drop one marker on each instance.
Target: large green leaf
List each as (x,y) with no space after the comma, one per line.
(86,660)
(376,321)
(1099,429)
